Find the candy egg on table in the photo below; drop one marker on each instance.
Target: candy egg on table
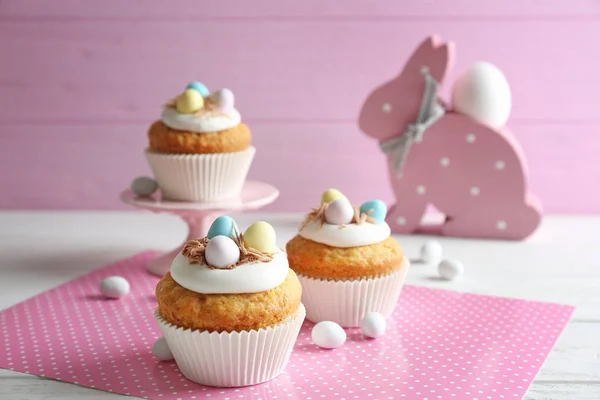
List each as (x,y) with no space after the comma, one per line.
(144,186)
(189,102)
(224,226)
(222,252)
(223,99)
(373,325)
(450,269)
(328,334)
(161,350)
(114,287)
(261,236)
(199,87)
(339,212)
(483,93)
(330,195)
(377,208)
(431,252)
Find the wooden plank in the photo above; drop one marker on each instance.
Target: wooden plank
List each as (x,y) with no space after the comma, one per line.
(190,9)
(86,165)
(563,390)
(279,70)
(538,269)
(575,356)
(17,386)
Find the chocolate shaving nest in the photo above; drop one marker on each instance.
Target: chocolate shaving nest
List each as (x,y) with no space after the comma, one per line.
(318,214)
(194,250)
(208,107)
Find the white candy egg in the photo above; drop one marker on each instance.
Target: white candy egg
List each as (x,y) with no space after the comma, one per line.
(114,287)
(161,350)
(373,325)
(482,92)
(339,212)
(221,252)
(328,335)
(450,269)
(431,252)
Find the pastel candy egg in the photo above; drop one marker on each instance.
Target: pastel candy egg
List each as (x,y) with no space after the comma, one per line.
(431,252)
(450,269)
(330,195)
(161,350)
(483,93)
(339,212)
(114,287)
(144,186)
(378,209)
(373,325)
(224,226)
(199,87)
(223,99)
(221,252)
(260,236)
(189,102)
(328,334)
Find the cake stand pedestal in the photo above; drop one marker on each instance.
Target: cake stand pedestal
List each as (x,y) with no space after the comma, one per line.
(199,216)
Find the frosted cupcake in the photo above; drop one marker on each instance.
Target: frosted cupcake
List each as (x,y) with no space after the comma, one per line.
(230,307)
(346,261)
(200,150)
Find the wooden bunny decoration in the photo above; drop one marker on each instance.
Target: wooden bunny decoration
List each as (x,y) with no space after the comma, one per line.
(472,172)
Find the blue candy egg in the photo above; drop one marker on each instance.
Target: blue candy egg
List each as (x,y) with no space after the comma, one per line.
(379,209)
(199,87)
(222,226)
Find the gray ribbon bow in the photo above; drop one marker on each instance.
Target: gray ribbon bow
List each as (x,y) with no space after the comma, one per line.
(429,112)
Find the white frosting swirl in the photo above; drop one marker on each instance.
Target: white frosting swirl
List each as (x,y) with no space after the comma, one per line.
(246,278)
(351,235)
(205,123)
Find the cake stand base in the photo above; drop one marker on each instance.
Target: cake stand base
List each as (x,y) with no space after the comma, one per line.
(199,216)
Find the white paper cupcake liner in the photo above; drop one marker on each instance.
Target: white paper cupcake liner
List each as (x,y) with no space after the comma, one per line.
(233,359)
(347,302)
(200,177)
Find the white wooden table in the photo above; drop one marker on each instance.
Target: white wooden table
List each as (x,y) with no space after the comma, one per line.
(561,263)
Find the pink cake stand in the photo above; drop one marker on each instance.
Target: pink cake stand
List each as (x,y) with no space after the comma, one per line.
(199,216)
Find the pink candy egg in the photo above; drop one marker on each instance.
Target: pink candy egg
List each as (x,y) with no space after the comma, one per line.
(224,99)
(339,212)
(222,252)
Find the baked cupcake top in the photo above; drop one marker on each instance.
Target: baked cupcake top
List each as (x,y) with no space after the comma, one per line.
(229,262)
(337,223)
(200,111)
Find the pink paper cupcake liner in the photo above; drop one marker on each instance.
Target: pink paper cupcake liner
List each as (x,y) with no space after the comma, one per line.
(233,359)
(347,302)
(200,177)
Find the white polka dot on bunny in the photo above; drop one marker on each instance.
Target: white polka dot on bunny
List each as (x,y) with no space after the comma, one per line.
(437,343)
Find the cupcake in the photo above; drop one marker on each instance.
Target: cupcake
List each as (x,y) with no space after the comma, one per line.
(230,308)
(346,261)
(200,150)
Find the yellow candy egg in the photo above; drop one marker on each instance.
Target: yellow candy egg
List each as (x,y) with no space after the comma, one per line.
(260,236)
(330,195)
(189,102)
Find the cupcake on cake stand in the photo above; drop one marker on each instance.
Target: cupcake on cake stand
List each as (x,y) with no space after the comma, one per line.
(200,154)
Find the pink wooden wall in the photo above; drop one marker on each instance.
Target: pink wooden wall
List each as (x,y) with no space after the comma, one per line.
(81,80)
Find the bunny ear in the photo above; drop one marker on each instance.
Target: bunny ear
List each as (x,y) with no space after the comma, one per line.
(448,50)
(432,53)
(431,42)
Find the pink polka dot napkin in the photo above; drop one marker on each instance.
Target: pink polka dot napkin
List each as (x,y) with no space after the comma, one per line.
(439,345)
